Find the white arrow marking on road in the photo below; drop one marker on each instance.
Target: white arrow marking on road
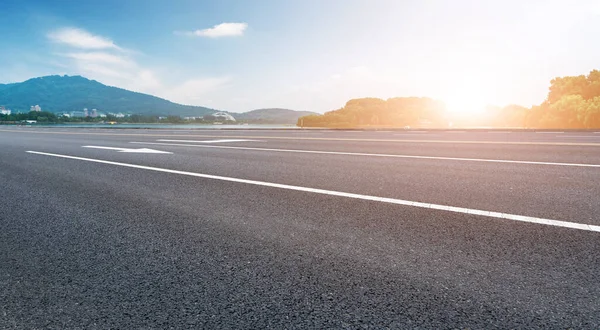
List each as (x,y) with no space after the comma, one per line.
(130,150)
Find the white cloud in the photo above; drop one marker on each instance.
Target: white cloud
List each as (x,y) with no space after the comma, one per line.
(79,38)
(100,71)
(102,60)
(220,30)
(100,57)
(194,91)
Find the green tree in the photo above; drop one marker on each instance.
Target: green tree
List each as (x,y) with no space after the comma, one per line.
(591,116)
(566,112)
(563,86)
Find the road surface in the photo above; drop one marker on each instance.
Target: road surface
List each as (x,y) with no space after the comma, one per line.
(109,228)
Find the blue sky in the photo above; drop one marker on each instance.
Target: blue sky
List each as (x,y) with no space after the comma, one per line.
(305,55)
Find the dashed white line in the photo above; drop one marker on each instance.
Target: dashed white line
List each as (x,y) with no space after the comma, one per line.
(370,155)
(507,216)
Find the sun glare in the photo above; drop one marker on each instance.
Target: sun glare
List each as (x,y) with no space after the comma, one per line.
(465,99)
(465,105)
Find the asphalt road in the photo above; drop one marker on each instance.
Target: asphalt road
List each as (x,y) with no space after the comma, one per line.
(299,229)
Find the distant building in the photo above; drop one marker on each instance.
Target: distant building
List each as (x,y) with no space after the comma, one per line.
(85,112)
(94,113)
(4,111)
(78,114)
(35,108)
(116,115)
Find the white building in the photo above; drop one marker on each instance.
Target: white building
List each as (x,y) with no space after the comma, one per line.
(35,108)
(219,116)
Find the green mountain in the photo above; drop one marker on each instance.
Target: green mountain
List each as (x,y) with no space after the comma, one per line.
(73,93)
(3,86)
(272,116)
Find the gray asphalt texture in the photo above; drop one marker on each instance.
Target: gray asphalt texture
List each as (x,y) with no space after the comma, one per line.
(95,246)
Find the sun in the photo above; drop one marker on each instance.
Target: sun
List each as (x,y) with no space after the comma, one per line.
(465,105)
(465,97)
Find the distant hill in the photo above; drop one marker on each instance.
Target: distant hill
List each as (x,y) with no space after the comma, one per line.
(73,93)
(3,86)
(272,116)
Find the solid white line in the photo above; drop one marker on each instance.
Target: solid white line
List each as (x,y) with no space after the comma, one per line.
(225,141)
(440,207)
(410,134)
(580,136)
(549,132)
(309,138)
(371,155)
(209,141)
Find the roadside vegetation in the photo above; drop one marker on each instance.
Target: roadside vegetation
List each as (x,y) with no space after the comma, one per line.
(51,118)
(572,102)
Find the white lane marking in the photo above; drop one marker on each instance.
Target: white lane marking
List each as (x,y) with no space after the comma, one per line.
(215,141)
(130,150)
(580,136)
(549,132)
(454,132)
(537,143)
(494,132)
(507,216)
(206,141)
(409,134)
(374,155)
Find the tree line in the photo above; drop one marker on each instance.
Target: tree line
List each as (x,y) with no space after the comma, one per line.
(572,102)
(51,118)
